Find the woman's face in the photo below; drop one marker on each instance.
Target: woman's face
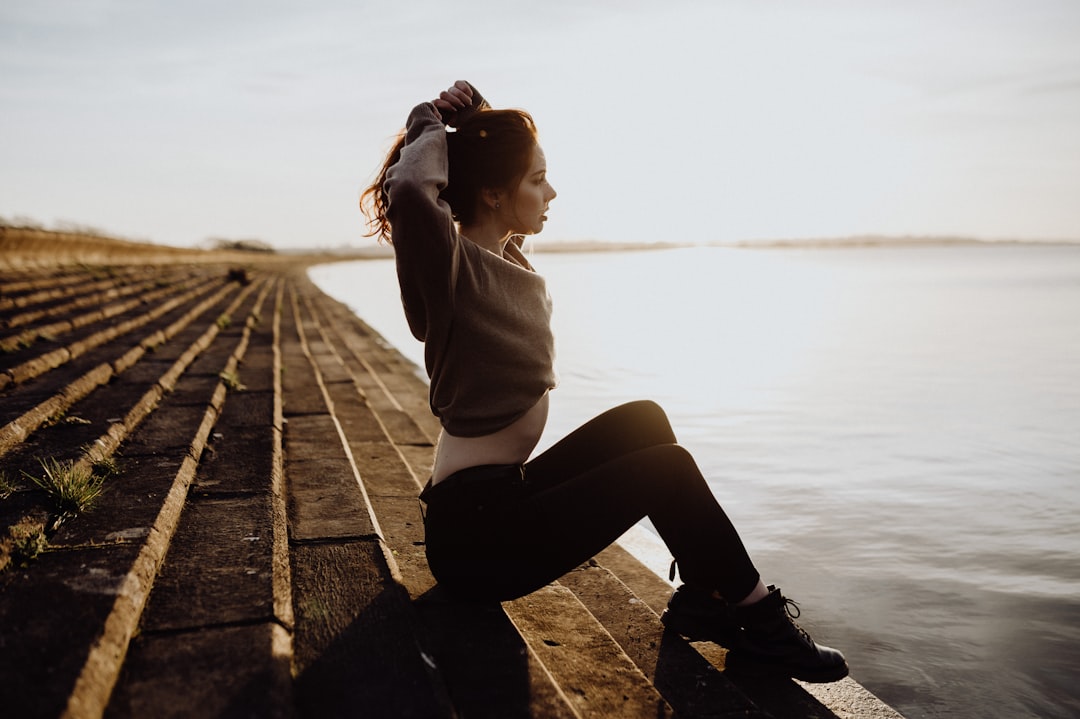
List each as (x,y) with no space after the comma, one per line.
(530,202)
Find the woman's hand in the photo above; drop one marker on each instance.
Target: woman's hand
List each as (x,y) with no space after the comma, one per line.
(458,103)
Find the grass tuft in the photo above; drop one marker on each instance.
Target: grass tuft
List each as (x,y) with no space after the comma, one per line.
(232,381)
(28,542)
(7,487)
(22,543)
(73,487)
(107,467)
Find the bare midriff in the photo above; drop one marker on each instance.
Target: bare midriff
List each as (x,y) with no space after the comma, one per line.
(510,445)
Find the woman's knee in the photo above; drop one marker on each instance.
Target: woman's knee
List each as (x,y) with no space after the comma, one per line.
(669,466)
(648,417)
(677,458)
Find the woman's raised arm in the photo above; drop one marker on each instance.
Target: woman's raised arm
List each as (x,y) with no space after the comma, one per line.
(459,102)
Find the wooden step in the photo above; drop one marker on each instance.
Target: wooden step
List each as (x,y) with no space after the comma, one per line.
(69,615)
(29,407)
(118,287)
(49,360)
(55,328)
(223,595)
(355,642)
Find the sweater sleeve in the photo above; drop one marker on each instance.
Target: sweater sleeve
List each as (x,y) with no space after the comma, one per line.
(424,236)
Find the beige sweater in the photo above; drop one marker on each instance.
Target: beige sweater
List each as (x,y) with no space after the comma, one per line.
(485,320)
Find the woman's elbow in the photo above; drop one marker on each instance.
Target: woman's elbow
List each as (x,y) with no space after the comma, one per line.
(410,191)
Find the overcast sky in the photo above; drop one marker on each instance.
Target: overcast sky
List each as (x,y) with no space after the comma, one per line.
(677,120)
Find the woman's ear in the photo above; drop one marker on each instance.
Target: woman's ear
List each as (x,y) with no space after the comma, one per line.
(492,198)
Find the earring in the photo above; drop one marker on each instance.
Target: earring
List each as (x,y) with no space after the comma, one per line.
(497,205)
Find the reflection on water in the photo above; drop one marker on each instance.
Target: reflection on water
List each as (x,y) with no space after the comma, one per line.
(894,430)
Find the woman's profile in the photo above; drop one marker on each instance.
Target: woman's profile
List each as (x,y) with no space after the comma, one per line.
(455,196)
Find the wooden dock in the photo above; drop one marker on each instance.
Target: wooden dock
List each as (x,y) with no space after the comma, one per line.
(258,549)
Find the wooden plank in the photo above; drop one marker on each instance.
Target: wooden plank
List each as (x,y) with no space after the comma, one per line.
(692,685)
(642,581)
(312,437)
(589,667)
(325,501)
(355,650)
(219,672)
(51,614)
(130,505)
(403,531)
(237,458)
(250,408)
(489,670)
(219,567)
(383,470)
(357,419)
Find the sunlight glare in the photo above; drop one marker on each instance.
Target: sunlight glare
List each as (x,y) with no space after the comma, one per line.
(727,297)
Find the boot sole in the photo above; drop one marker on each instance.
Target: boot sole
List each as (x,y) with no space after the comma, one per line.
(740,663)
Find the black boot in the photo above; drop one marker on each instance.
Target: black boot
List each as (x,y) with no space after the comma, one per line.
(772,643)
(698,616)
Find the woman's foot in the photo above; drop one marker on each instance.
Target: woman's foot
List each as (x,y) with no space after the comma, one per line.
(762,637)
(771,642)
(699,616)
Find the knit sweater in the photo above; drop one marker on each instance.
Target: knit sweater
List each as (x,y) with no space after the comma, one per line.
(485,320)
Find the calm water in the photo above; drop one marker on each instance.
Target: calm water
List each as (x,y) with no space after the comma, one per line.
(895,431)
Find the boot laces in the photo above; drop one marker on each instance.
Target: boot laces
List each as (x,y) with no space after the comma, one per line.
(791,608)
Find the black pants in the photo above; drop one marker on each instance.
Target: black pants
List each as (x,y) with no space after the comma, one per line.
(502,531)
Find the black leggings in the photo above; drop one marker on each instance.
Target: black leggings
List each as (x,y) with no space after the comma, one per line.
(501,531)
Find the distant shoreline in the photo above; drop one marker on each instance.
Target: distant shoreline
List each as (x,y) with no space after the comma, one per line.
(868,241)
(35,247)
(24,248)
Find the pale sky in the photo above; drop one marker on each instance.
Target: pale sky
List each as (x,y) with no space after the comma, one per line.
(673,120)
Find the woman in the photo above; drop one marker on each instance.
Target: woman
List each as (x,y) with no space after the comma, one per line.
(459,190)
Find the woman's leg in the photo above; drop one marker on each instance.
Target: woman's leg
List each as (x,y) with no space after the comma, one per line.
(538,537)
(590,510)
(617,432)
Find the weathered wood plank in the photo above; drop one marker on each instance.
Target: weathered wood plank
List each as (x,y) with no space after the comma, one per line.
(51,614)
(693,686)
(355,653)
(325,501)
(589,667)
(216,672)
(219,568)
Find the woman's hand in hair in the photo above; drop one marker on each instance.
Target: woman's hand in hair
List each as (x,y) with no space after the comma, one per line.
(458,103)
